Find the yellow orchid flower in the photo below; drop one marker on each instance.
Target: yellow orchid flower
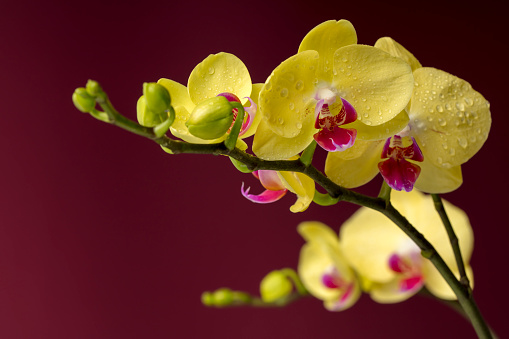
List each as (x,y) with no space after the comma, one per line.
(323,269)
(221,74)
(389,263)
(276,185)
(330,83)
(447,123)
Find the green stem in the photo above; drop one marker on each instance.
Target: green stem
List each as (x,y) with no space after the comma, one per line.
(385,193)
(439,206)
(290,273)
(231,139)
(335,191)
(307,155)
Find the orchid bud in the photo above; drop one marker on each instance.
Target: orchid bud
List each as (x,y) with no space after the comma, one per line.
(157,97)
(82,100)
(211,118)
(275,286)
(93,88)
(146,117)
(222,297)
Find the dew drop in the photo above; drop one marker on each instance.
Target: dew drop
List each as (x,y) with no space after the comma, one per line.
(469,101)
(344,59)
(366,115)
(211,70)
(472,138)
(298,125)
(299,85)
(430,119)
(448,107)
(442,122)
(268,86)
(452,151)
(280,121)
(284,92)
(439,109)
(439,160)
(368,108)
(367,122)
(291,106)
(460,106)
(445,146)
(463,142)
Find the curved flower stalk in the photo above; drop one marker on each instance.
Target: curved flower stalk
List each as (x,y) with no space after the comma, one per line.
(221,74)
(448,122)
(331,91)
(389,263)
(276,185)
(323,269)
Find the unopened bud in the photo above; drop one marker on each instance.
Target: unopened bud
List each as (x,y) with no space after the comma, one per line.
(275,286)
(93,88)
(147,117)
(157,97)
(211,118)
(223,297)
(82,100)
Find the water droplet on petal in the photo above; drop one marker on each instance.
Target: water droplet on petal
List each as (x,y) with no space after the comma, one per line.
(367,122)
(463,142)
(291,106)
(211,70)
(284,92)
(298,125)
(299,85)
(442,122)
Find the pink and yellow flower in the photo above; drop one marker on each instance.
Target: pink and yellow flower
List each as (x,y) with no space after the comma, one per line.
(389,263)
(329,92)
(447,122)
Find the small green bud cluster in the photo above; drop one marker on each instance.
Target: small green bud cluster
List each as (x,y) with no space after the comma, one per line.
(211,118)
(225,297)
(154,107)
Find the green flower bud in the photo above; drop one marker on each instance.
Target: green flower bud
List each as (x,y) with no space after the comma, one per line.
(147,117)
(223,297)
(93,88)
(240,166)
(211,118)
(82,100)
(275,286)
(207,299)
(157,97)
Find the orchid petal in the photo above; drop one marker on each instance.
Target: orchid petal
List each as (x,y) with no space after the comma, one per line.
(218,73)
(355,166)
(392,292)
(337,139)
(380,132)
(434,179)
(269,146)
(265,197)
(270,180)
(399,174)
(300,184)
(284,99)
(377,84)
(254,112)
(390,46)
(178,93)
(326,38)
(436,284)
(448,118)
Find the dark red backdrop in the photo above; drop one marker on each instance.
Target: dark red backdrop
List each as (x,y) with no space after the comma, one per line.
(102,235)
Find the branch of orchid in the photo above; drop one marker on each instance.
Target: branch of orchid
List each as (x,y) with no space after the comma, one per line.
(464,296)
(335,191)
(228,298)
(439,206)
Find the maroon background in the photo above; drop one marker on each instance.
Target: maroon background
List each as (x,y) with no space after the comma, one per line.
(103,235)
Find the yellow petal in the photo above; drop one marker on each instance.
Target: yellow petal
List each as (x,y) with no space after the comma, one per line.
(434,179)
(390,46)
(315,231)
(179,128)
(313,262)
(378,85)
(326,38)
(270,146)
(258,116)
(300,184)
(178,93)
(383,131)
(367,240)
(390,293)
(437,285)
(449,119)
(285,98)
(356,166)
(218,73)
